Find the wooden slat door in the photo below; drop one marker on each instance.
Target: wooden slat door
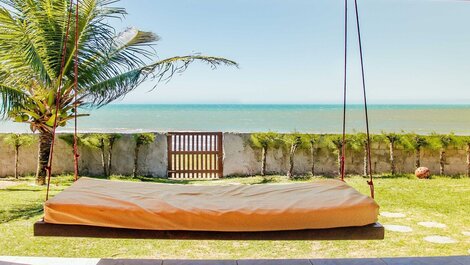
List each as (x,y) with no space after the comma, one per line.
(195,155)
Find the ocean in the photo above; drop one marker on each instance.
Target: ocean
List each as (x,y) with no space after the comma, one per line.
(279,118)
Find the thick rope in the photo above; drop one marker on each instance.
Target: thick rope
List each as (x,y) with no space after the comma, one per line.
(369,162)
(57,100)
(343,143)
(76,156)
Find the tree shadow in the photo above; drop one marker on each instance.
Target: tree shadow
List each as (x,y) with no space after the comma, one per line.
(21,212)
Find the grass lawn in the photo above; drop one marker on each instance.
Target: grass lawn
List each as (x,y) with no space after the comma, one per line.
(441,199)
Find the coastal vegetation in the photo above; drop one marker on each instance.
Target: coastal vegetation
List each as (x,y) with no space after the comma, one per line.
(38,73)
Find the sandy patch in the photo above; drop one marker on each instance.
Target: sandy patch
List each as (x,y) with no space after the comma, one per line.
(440,239)
(466,233)
(398,228)
(392,215)
(432,225)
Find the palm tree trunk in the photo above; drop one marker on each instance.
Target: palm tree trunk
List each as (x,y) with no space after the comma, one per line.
(103,161)
(17,151)
(442,161)
(136,161)
(263,161)
(293,148)
(312,153)
(418,157)
(110,159)
(110,154)
(45,142)
(392,158)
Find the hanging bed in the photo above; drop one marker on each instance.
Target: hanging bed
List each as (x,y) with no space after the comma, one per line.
(327,209)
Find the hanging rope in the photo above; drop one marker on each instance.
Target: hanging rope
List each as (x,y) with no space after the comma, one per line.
(343,143)
(369,163)
(76,156)
(370,182)
(58,99)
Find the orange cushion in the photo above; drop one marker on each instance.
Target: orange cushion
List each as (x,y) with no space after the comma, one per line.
(268,207)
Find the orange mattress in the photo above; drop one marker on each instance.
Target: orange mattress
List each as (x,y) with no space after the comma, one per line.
(321,204)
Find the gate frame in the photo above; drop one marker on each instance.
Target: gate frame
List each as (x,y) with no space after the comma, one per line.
(218,152)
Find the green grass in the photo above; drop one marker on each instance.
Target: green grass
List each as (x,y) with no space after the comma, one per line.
(441,199)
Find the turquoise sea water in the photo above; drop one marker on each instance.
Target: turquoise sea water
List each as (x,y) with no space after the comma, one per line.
(281,118)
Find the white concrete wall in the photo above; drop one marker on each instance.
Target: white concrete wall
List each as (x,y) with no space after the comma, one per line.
(239,159)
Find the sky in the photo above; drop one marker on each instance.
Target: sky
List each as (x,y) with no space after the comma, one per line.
(291,51)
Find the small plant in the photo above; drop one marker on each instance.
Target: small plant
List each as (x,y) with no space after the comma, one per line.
(17,141)
(101,142)
(292,141)
(441,142)
(415,143)
(465,141)
(141,139)
(112,138)
(69,139)
(393,140)
(335,143)
(265,141)
(359,142)
(313,142)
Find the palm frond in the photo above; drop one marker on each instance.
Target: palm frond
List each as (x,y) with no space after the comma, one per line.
(165,69)
(116,87)
(11,98)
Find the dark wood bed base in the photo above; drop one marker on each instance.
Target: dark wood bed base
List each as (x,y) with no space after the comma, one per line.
(368,232)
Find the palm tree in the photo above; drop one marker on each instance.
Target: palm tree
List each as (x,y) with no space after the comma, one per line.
(141,139)
(265,141)
(32,40)
(112,138)
(442,142)
(335,143)
(393,140)
(17,141)
(101,142)
(313,142)
(415,142)
(465,141)
(359,142)
(69,139)
(293,142)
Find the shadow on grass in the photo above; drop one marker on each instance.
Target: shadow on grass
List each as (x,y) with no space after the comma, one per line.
(21,212)
(19,189)
(149,179)
(395,176)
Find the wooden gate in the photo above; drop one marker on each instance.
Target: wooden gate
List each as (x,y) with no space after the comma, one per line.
(195,155)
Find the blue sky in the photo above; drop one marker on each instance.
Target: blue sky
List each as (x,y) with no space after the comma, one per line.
(416,51)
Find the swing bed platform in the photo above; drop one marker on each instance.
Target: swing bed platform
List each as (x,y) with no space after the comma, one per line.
(321,210)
